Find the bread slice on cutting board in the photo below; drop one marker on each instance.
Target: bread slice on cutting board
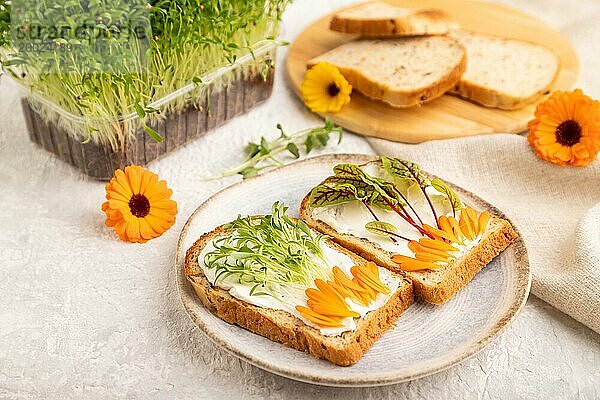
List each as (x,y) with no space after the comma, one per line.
(283,327)
(379,19)
(504,73)
(402,72)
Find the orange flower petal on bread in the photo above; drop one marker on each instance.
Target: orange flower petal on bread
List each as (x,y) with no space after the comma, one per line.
(431,254)
(326,304)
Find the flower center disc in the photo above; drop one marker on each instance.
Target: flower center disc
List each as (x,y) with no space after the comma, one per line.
(139,205)
(568,133)
(333,89)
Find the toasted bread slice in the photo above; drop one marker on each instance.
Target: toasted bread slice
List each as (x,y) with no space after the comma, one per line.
(283,327)
(379,19)
(433,286)
(401,72)
(504,73)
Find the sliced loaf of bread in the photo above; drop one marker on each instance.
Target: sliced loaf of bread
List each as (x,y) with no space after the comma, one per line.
(504,73)
(402,72)
(379,19)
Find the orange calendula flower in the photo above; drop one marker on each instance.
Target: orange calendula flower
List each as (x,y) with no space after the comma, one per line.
(139,206)
(327,304)
(325,89)
(450,238)
(566,129)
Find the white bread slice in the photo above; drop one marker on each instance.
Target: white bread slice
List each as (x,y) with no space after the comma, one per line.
(283,327)
(379,19)
(401,72)
(504,73)
(433,286)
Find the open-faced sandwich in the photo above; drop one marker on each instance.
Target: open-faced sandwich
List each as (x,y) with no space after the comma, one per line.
(275,276)
(390,212)
(369,238)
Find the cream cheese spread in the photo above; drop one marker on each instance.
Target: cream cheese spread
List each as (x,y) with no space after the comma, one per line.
(287,299)
(351,218)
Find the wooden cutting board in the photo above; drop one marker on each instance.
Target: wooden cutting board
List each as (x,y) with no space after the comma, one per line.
(447,116)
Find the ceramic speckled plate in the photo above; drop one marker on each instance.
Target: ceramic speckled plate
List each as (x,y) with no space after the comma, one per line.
(426,338)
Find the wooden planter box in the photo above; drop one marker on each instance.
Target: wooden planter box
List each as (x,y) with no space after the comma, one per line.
(198,117)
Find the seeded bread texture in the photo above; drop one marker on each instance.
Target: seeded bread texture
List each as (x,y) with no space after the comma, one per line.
(283,327)
(379,19)
(504,73)
(436,287)
(402,72)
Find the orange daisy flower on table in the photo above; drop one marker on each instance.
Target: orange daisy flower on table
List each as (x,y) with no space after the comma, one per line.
(139,206)
(566,129)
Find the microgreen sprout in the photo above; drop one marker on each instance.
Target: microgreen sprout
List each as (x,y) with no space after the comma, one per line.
(272,253)
(351,183)
(189,38)
(264,155)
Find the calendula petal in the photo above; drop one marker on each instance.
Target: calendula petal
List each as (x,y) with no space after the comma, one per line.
(122,188)
(121,179)
(146,230)
(472,217)
(456,227)
(439,233)
(436,244)
(133,228)
(484,219)
(118,204)
(326,288)
(370,277)
(317,295)
(162,214)
(343,279)
(422,249)
(411,264)
(113,194)
(318,318)
(134,176)
(332,310)
(431,257)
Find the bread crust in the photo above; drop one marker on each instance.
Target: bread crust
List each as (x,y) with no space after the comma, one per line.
(419,22)
(453,278)
(489,97)
(282,327)
(404,98)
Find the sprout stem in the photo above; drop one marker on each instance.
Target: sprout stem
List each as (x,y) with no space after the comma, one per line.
(408,219)
(377,219)
(392,234)
(268,150)
(421,186)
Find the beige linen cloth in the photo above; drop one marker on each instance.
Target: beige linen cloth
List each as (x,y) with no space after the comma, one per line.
(556,209)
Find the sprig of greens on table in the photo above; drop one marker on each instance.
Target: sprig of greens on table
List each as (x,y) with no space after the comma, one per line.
(264,155)
(351,183)
(273,253)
